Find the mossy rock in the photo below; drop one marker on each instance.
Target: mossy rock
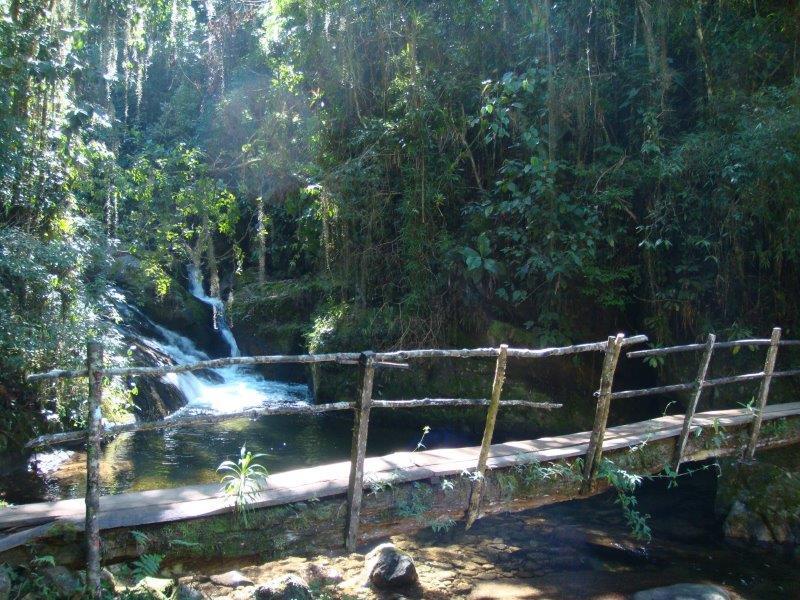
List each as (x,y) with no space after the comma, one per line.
(760,500)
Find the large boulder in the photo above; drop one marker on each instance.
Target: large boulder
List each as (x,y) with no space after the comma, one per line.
(683,591)
(387,567)
(759,502)
(288,587)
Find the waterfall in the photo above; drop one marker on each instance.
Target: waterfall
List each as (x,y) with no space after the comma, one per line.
(220,322)
(227,389)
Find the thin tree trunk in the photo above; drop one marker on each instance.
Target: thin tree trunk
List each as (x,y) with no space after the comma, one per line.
(261,238)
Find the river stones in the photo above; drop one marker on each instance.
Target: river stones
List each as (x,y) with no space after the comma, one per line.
(317,573)
(153,588)
(387,567)
(683,591)
(231,579)
(287,587)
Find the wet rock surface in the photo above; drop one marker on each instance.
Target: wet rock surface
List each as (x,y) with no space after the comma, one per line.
(387,567)
(684,591)
(759,501)
(231,579)
(288,587)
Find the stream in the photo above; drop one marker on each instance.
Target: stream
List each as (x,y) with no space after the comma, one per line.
(183,456)
(687,540)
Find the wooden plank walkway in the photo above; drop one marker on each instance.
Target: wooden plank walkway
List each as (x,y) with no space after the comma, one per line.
(22,523)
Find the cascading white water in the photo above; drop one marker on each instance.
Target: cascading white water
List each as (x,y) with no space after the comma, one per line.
(232,389)
(220,322)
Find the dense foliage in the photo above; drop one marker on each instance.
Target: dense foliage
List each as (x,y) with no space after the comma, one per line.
(569,168)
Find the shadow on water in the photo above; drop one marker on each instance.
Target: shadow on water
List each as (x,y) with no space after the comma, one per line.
(584,549)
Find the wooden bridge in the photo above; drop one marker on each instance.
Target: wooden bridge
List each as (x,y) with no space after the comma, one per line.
(325,506)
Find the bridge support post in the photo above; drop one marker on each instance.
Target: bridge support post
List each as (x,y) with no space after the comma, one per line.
(692,407)
(94,365)
(763,392)
(491,417)
(594,453)
(358,450)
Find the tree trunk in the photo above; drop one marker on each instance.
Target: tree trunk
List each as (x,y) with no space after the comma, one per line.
(261,237)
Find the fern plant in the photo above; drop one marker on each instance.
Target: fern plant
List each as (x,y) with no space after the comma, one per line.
(243,479)
(147,565)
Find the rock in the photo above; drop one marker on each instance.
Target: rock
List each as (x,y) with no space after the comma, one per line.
(154,587)
(744,525)
(387,567)
(62,580)
(110,580)
(187,592)
(683,591)
(316,573)
(231,579)
(5,585)
(288,587)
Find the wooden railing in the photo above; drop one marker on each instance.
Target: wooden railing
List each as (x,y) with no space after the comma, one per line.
(368,363)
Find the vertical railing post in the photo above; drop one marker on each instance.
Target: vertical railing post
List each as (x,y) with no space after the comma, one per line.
(763,392)
(594,453)
(94,366)
(491,417)
(358,449)
(692,407)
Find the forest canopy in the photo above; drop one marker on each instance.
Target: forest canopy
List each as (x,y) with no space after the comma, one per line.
(420,168)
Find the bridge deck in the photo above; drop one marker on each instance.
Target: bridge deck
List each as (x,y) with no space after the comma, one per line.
(21,523)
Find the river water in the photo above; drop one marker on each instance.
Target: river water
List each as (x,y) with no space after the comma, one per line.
(183,456)
(687,538)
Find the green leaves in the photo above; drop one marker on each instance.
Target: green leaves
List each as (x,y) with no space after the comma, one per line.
(243,479)
(147,565)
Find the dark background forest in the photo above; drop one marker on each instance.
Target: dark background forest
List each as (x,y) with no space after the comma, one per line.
(367,174)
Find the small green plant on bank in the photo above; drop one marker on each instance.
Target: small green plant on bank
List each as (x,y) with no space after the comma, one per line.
(425,431)
(28,581)
(417,503)
(382,483)
(142,540)
(242,480)
(718,437)
(442,524)
(147,565)
(625,484)
(535,472)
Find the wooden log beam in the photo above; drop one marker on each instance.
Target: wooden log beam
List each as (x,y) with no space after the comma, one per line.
(425,402)
(384,359)
(358,450)
(685,387)
(94,364)
(491,417)
(697,347)
(705,361)
(215,363)
(763,392)
(594,453)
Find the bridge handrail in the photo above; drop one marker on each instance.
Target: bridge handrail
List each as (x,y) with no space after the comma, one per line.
(370,361)
(697,347)
(347,358)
